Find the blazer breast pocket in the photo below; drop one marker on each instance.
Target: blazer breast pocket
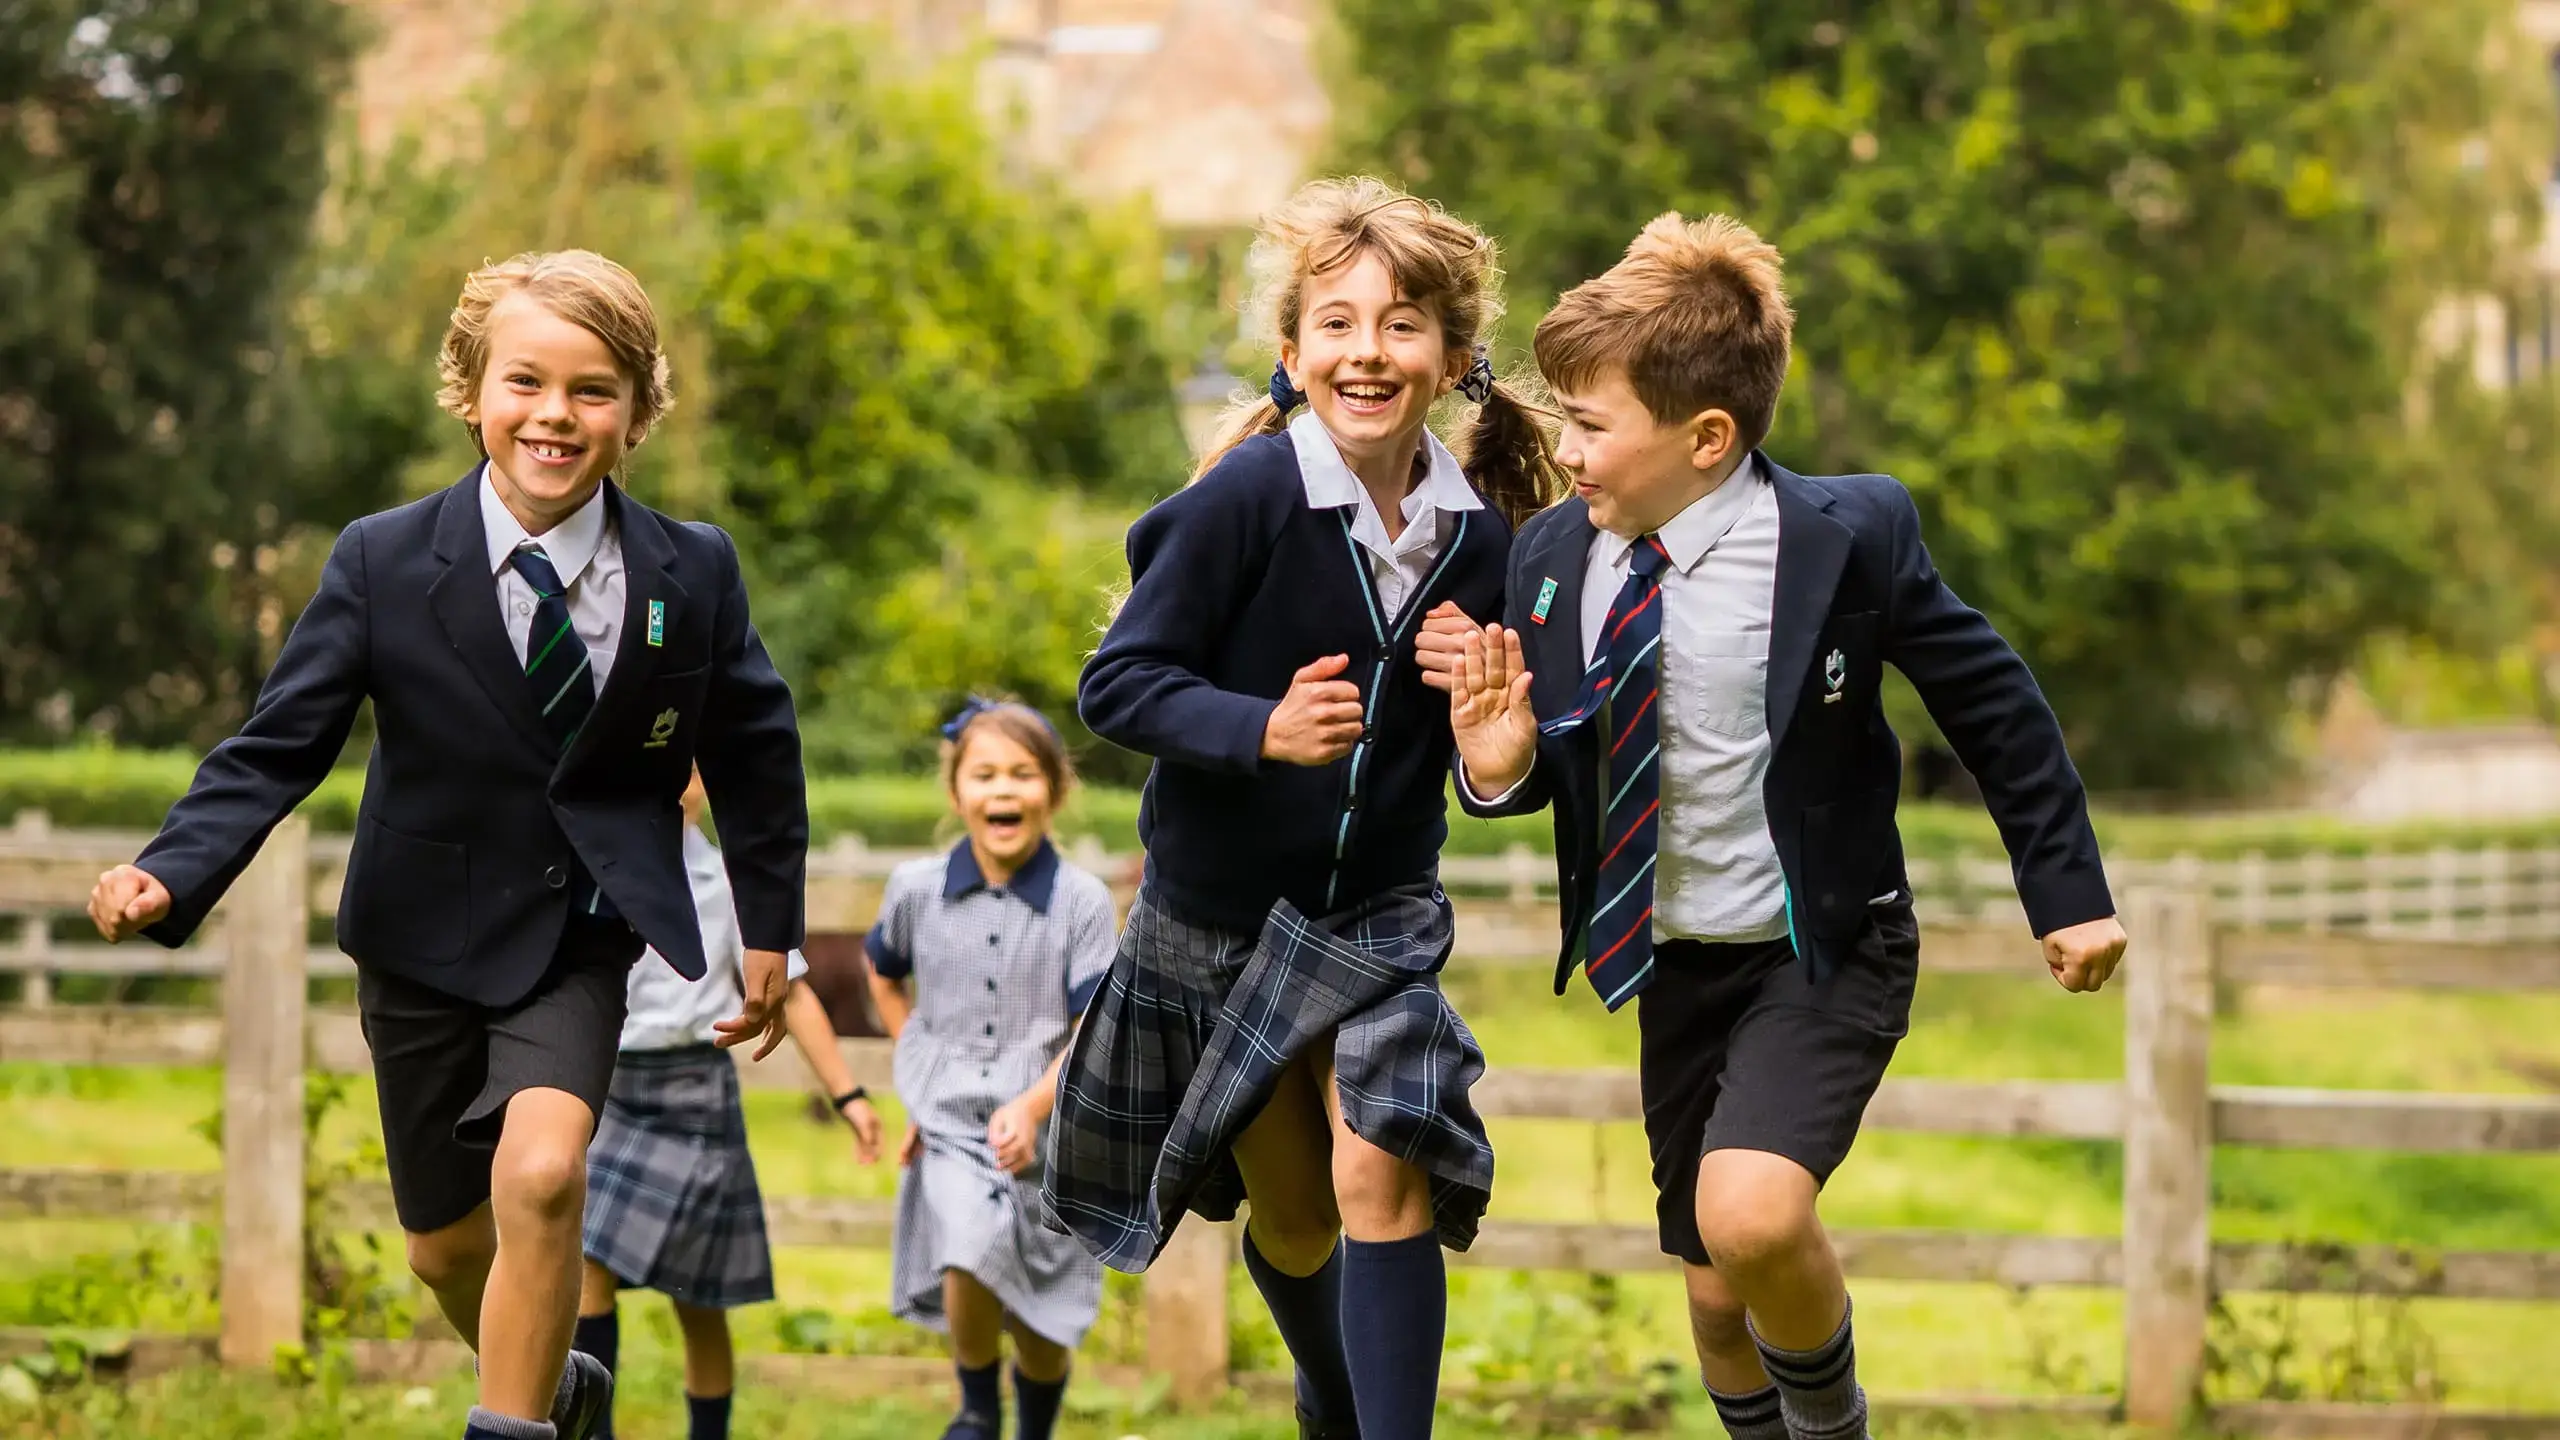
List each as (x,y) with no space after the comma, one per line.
(1846,666)
(671,706)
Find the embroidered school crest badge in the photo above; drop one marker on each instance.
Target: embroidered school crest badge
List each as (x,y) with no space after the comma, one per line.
(1835,669)
(661,730)
(1546,597)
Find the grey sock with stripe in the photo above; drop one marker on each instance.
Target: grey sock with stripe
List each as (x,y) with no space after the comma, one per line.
(1818,1388)
(1753,1416)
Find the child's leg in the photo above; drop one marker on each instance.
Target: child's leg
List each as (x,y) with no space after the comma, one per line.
(1728,1360)
(453,1263)
(710,1371)
(1293,1242)
(976,1319)
(599,1331)
(1756,1215)
(1392,1267)
(1039,1379)
(1798,1069)
(538,1188)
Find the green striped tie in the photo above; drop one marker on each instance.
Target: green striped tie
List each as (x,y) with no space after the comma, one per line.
(556,662)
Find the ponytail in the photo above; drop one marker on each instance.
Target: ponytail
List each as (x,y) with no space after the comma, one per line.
(1510,456)
(1244,420)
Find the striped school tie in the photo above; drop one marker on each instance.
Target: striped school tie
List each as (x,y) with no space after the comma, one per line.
(1619,692)
(557,666)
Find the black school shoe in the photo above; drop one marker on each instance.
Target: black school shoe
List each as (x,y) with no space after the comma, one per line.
(970,1425)
(1311,1428)
(585,1400)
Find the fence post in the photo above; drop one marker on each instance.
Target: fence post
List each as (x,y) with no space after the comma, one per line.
(35,989)
(263,989)
(1186,1290)
(2168,1151)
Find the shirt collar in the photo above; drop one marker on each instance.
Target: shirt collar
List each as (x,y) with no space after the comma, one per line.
(570,544)
(1331,485)
(1035,882)
(1689,535)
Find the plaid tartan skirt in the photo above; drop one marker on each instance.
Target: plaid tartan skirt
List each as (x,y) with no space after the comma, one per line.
(672,1203)
(1192,1031)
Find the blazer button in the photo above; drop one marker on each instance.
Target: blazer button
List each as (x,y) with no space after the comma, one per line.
(556,877)
(1386,652)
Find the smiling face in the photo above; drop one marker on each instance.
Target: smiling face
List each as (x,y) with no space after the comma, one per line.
(1634,471)
(1370,360)
(1002,795)
(554,412)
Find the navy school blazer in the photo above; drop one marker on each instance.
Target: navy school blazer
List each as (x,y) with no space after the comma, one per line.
(1854,581)
(472,817)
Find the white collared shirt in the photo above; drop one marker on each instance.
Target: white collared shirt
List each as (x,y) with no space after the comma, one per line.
(669,1012)
(1399,566)
(1717,877)
(588,555)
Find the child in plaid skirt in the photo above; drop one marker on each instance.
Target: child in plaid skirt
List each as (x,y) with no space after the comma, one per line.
(672,1203)
(980,964)
(1273,1024)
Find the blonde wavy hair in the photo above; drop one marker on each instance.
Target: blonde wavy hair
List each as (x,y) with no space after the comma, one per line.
(581,287)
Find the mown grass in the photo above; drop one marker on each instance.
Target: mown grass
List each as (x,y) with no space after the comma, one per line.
(1517,1327)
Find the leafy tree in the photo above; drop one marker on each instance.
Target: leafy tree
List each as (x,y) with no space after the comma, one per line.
(158,171)
(2129,294)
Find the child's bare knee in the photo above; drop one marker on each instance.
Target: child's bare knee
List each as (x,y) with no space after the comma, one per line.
(451,1256)
(1376,1187)
(1755,1211)
(1296,1238)
(541,1180)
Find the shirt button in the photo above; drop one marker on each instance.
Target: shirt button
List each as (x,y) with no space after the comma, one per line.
(995,939)
(523,608)
(991,984)
(991,1029)
(555,877)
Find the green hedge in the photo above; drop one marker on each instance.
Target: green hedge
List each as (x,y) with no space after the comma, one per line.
(97,788)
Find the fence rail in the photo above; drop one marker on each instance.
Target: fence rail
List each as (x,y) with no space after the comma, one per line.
(2165,1112)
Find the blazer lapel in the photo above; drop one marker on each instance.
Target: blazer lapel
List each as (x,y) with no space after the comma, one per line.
(1812,548)
(465,600)
(648,574)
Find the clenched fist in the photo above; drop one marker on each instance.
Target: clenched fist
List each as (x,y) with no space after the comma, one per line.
(125,901)
(1318,721)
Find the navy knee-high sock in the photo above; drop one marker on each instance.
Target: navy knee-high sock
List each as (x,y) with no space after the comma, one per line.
(601,1336)
(1394,1317)
(1308,1311)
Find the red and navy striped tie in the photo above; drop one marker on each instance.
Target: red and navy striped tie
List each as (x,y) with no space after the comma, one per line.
(1618,693)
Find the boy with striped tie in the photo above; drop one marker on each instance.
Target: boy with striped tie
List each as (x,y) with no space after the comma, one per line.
(1688,673)
(545,655)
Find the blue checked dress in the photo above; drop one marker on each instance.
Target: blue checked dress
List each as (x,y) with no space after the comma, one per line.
(1000,974)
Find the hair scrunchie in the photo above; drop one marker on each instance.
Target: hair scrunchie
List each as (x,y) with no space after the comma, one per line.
(1283,394)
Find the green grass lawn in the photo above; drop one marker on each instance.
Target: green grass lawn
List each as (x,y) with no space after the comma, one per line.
(1515,1327)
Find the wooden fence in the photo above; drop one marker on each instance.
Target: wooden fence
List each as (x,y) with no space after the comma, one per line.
(2165,1112)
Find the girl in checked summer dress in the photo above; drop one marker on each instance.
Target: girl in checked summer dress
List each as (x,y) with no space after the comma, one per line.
(981,962)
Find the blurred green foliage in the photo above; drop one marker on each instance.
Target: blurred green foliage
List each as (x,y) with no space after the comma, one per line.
(2135,298)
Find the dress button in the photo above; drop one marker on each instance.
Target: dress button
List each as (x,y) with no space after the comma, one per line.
(991,985)
(556,877)
(995,939)
(991,1029)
